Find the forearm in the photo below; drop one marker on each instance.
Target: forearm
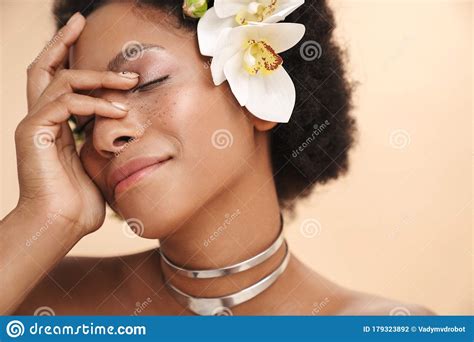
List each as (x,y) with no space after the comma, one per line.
(30,246)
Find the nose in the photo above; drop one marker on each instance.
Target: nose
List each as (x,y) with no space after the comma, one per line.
(111,136)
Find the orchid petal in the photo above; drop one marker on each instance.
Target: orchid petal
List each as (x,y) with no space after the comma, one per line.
(228,8)
(228,44)
(280,37)
(209,28)
(272,97)
(283,10)
(238,78)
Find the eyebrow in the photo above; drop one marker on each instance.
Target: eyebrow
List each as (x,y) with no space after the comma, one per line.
(121,58)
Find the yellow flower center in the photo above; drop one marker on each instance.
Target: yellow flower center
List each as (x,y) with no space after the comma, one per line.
(256,11)
(259,57)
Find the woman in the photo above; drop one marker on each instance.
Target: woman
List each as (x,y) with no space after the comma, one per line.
(180,157)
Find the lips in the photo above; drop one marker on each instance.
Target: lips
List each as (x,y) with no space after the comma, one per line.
(131,172)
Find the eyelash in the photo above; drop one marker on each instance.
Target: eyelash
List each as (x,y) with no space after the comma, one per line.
(154,82)
(80,130)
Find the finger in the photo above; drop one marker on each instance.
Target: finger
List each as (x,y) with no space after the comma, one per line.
(67,81)
(54,55)
(63,107)
(66,137)
(44,128)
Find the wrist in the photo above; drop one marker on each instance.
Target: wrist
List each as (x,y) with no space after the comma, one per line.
(43,221)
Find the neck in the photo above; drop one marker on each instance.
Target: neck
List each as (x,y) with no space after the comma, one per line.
(233,227)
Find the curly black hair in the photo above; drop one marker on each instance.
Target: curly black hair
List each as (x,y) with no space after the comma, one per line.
(312,148)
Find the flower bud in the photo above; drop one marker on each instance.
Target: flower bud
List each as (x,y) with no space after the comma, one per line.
(194,8)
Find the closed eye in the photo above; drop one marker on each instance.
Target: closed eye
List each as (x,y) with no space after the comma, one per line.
(142,87)
(150,85)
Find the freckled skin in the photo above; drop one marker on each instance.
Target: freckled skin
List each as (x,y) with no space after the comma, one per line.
(170,131)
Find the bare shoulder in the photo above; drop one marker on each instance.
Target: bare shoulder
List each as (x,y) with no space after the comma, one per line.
(319,295)
(80,285)
(365,304)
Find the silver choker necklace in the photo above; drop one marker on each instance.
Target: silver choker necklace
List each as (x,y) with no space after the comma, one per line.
(236,268)
(221,305)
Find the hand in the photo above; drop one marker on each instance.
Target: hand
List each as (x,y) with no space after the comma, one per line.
(51,176)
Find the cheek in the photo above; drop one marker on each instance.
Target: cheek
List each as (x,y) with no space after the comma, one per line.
(155,107)
(209,131)
(215,135)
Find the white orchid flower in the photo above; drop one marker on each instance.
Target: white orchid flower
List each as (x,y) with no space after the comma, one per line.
(247,57)
(232,13)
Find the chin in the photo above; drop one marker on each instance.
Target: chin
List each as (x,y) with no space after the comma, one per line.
(153,216)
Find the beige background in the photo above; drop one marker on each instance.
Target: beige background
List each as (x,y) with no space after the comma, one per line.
(400,223)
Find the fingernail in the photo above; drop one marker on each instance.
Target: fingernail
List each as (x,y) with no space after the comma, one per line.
(128,74)
(73,18)
(120,106)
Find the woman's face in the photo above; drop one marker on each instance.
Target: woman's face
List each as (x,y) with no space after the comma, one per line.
(201,135)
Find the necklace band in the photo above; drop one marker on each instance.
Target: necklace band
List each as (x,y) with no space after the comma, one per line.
(206,306)
(223,271)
